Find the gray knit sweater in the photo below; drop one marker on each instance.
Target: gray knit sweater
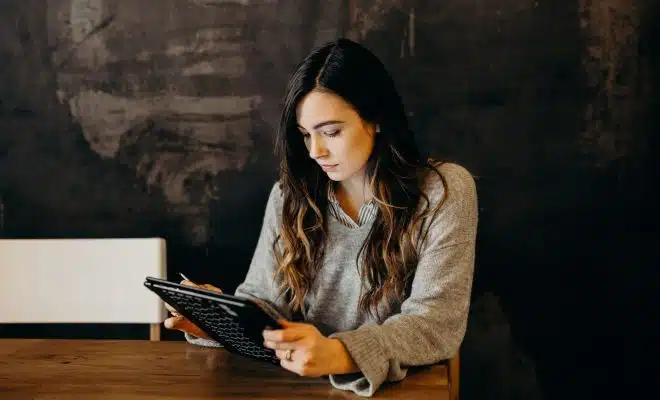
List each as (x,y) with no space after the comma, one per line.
(427,327)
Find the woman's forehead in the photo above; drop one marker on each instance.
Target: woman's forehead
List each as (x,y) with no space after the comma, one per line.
(318,107)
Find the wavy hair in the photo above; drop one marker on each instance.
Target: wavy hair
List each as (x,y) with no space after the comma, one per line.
(395,171)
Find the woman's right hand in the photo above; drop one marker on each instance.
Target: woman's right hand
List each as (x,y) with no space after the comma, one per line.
(181,323)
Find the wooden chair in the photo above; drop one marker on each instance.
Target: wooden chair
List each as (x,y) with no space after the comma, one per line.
(453,366)
(81,281)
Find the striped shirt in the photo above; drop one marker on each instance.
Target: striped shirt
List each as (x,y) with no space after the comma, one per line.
(366,214)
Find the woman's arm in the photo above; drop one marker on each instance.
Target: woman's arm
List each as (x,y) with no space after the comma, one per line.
(259,284)
(433,319)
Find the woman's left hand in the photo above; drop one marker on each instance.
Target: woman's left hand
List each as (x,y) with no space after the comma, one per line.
(304,350)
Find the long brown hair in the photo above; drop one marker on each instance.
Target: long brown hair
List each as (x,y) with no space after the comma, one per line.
(395,169)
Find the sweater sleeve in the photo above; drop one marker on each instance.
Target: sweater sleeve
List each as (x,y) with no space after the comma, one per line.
(259,284)
(432,322)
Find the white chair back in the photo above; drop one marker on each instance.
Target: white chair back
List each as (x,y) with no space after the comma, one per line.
(81,280)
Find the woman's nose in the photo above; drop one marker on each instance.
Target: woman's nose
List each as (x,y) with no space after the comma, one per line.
(316,147)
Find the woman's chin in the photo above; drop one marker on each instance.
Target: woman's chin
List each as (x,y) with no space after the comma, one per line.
(335,176)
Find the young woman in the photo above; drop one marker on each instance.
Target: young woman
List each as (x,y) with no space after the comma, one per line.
(367,245)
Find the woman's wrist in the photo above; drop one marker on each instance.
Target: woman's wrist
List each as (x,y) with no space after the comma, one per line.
(344,362)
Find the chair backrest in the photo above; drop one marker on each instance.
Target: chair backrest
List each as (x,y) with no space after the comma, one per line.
(80,280)
(454,366)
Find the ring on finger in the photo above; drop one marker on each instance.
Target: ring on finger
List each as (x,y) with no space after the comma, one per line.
(288,354)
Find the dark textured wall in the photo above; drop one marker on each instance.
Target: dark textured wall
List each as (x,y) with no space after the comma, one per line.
(156,118)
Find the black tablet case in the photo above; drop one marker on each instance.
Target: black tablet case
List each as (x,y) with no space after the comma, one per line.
(235,323)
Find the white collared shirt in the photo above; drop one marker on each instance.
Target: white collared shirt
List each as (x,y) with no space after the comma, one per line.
(366,214)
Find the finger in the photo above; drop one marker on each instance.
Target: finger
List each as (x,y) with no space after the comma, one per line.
(297,366)
(193,329)
(173,322)
(184,325)
(211,287)
(295,356)
(280,345)
(292,366)
(281,354)
(204,286)
(171,309)
(284,335)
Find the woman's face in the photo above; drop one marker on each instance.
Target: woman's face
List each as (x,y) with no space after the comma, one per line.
(337,138)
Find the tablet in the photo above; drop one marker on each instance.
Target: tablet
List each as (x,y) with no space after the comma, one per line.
(236,323)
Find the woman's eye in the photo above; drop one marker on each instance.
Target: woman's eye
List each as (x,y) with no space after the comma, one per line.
(331,133)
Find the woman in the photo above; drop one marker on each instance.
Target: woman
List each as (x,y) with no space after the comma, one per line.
(369,246)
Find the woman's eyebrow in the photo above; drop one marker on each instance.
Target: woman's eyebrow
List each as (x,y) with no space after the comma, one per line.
(324,123)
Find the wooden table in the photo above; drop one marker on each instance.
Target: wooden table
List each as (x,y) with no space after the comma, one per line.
(55,369)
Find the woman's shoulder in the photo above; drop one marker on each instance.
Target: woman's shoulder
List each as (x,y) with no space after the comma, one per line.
(275,200)
(275,191)
(448,178)
(452,188)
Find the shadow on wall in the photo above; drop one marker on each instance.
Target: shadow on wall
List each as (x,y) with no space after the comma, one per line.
(493,367)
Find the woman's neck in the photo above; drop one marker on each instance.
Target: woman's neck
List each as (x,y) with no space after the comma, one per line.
(355,190)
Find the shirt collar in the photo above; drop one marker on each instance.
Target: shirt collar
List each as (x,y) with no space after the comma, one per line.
(332,198)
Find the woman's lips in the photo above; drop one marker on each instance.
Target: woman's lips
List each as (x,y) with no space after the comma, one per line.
(329,167)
